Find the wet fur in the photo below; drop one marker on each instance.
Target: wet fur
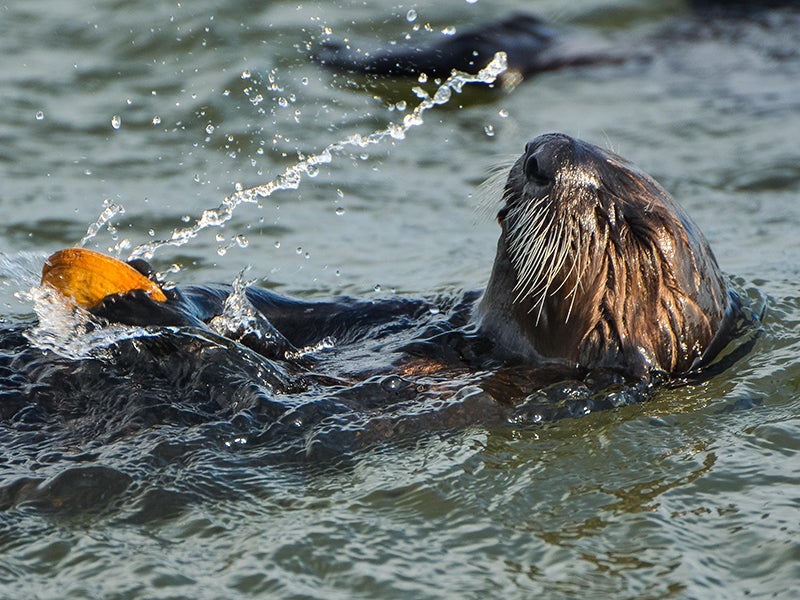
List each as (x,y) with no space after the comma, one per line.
(598,267)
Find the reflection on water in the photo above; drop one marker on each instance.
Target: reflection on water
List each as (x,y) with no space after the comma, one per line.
(690,494)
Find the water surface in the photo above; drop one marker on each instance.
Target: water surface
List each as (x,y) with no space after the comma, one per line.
(164,108)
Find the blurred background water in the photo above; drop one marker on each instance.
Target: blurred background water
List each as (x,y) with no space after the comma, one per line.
(163,108)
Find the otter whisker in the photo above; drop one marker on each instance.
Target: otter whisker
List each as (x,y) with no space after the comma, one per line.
(529,239)
(531,253)
(492,192)
(579,266)
(543,272)
(558,262)
(533,267)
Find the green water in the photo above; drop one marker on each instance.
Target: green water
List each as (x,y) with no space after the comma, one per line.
(691,495)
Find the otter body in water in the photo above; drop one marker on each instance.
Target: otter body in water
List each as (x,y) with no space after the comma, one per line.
(531,46)
(596,268)
(601,288)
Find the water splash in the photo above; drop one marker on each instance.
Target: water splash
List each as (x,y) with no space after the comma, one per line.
(72,332)
(238,314)
(325,343)
(290,179)
(110,211)
(240,321)
(18,271)
(61,328)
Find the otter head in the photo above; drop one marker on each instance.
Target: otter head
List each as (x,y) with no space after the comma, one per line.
(598,267)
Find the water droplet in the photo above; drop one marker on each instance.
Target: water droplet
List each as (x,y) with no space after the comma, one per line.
(116,122)
(151,232)
(277,244)
(392,383)
(339,211)
(450,30)
(398,132)
(209,129)
(304,81)
(402,105)
(411,16)
(39,115)
(377,287)
(423,78)
(489,130)
(299,250)
(238,186)
(442,95)
(246,74)
(503,113)
(472,1)
(241,241)
(156,120)
(219,237)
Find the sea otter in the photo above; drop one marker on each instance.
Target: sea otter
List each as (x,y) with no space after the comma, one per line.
(597,268)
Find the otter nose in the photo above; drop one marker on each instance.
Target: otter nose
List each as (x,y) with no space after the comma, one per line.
(534,169)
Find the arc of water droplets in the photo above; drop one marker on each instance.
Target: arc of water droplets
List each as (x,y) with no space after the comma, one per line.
(110,211)
(291,177)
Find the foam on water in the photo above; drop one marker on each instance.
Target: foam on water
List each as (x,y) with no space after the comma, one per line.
(70,331)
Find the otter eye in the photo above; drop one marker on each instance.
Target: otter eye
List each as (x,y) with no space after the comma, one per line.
(534,174)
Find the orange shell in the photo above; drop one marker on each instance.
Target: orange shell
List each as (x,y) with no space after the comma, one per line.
(87,277)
